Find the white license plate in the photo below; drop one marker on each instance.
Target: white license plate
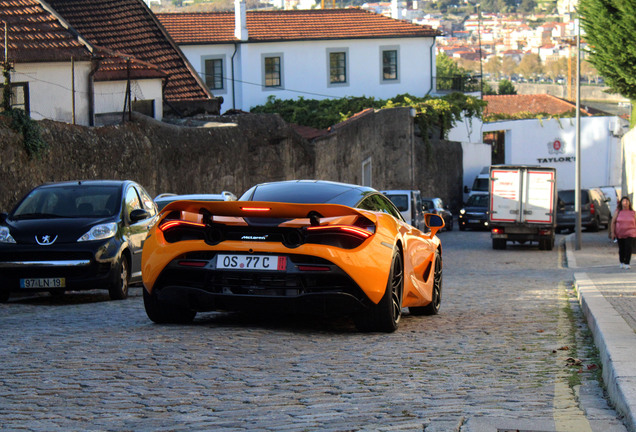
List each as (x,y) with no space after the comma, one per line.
(251,262)
(43,283)
(473,220)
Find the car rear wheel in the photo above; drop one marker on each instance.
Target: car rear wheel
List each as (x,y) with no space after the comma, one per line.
(119,288)
(433,307)
(164,313)
(385,316)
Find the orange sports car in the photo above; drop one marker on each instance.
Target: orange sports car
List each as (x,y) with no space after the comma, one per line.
(302,245)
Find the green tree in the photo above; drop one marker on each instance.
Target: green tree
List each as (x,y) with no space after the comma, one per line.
(508,66)
(507,88)
(493,66)
(530,66)
(555,67)
(609,28)
(450,76)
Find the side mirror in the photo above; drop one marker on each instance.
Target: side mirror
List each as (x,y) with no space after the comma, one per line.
(138,214)
(433,220)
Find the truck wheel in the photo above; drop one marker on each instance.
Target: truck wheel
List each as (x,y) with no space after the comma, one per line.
(499,244)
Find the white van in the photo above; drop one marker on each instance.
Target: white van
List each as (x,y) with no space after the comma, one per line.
(480,184)
(409,203)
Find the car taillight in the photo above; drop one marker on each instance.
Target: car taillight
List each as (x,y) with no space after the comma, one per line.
(592,208)
(497,231)
(179,230)
(256,209)
(165,226)
(343,236)
(346,229)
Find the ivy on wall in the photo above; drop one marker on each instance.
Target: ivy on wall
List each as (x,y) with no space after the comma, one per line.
(434,115)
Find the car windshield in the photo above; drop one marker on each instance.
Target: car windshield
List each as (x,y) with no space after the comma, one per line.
(74,201)
(400,201)
(477,201)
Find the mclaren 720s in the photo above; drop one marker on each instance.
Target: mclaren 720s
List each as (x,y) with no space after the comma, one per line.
(303,246)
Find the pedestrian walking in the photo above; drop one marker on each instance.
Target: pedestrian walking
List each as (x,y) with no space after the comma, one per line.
(623,229)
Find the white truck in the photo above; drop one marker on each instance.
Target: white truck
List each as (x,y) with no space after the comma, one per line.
(522,205)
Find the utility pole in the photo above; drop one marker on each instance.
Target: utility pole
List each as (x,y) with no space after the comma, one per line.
(6,71)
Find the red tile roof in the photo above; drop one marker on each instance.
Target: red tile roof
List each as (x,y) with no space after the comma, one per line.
(128,27)
(36,35)
(289,25)
(535,104)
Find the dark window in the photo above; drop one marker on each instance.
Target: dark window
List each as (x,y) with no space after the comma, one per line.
(337,67)
(146,107)
(214,74)
(389,65)
(272,72)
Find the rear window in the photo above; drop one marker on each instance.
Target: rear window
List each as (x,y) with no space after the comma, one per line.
(567,197)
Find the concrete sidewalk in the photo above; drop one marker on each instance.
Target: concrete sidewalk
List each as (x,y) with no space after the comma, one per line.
(608,298)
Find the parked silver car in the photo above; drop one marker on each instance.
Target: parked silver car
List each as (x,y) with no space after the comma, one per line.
(595,210)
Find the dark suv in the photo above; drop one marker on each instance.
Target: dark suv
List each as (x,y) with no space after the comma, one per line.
(595,211)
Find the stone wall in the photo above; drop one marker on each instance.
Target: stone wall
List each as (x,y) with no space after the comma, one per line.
(388,138)
(232,153)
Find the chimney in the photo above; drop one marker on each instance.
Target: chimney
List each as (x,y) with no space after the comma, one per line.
(240,20)
(396,9)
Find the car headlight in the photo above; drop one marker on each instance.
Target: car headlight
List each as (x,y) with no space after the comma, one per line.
(100,232)
(5,235)
(462,211)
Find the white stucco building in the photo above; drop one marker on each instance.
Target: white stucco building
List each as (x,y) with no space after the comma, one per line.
(246,57)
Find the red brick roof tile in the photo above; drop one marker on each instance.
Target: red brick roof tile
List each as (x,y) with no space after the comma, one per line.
(289,25)
(36,35)
(535,104)
(128,27)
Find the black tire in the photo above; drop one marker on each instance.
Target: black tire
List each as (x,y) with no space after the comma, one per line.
(594,227)
(499,244)
(118,290)
(449,227)
(385,316)
(433,307)
(462,227)
(164,313)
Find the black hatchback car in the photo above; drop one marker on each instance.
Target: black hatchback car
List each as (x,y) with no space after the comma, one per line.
(79,235)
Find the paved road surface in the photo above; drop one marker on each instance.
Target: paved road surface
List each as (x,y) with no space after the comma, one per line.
(495,358)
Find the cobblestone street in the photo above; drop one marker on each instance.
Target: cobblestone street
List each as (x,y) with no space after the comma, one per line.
(508,350)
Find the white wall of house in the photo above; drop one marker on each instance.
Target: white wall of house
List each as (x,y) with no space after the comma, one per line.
(305,70)
(110,95)
(551,142)
(476,153)
(51,90)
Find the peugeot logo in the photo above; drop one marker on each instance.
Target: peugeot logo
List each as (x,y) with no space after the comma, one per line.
(45,240)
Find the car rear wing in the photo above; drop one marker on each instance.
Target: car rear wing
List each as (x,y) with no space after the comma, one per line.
(265,209)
